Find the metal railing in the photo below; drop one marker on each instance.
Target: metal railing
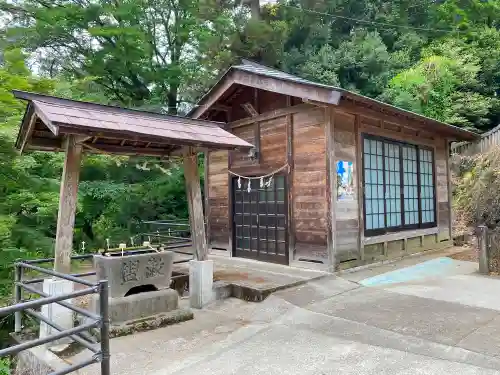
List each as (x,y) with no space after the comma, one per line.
(79,333)
(169,234)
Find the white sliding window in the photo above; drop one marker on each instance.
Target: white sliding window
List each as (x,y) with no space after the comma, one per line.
(399,188)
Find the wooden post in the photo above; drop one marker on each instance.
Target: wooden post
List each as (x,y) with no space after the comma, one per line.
(290,161)
(206,157)
(450,192)
(482,239)
(358,169)
(68,198)
(195,205)
(331,187)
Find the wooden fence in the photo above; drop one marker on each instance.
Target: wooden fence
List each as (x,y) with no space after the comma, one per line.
(489,139)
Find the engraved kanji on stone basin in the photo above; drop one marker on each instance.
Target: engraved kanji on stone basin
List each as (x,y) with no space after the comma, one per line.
(134,270)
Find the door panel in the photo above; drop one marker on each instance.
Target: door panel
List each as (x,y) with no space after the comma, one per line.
(260,220)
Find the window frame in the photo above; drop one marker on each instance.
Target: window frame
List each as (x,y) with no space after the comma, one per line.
(403,226)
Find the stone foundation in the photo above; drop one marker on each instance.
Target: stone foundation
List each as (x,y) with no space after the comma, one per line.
(139,305)
(397,249)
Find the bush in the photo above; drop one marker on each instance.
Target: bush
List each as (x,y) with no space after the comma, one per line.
(4,366)
(477,189)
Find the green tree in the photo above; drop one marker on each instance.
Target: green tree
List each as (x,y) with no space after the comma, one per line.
(143,53)
(454,82)
(28,183)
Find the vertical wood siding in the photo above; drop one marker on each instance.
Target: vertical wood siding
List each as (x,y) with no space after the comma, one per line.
(442,203)
(217,199)
(309,183)
(346,212)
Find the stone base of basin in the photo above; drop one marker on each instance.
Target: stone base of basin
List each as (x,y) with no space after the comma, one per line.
(150,323)
(137,306)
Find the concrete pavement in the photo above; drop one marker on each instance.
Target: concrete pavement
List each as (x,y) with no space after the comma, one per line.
(442,324)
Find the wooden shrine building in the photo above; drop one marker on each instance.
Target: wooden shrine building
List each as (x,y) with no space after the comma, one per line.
(354,180)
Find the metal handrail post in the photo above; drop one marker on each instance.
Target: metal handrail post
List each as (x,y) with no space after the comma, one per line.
(104,311)
(18,296)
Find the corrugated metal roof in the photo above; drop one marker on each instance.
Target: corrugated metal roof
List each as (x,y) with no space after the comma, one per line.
(62,113)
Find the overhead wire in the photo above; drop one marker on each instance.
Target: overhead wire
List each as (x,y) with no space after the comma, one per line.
(385,24)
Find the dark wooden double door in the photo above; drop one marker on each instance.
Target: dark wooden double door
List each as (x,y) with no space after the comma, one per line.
(260,220)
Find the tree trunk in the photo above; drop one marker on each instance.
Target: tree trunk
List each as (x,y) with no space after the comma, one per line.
(172,99)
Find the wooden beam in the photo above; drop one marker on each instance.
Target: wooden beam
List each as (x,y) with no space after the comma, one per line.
(358,168)
(126,150)
(68,197)
(195,205)
(29,132)
(396,118)
(450,192)
(206,158)
(42,144)
(212,97)
(400,235)
(400,136)
(256,100)
(331,187)
(249,108)
(221,108)
(270,115)
(285,87)
(82,138)
(315,103)
(52,127)
(230,212)
(132,136)
(290,161)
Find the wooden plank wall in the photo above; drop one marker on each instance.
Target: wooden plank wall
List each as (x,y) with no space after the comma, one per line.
(240,160)
(442,203)
(350,242)
(217,199)
(272,156)
(272,147)
(347,223)
(309,205)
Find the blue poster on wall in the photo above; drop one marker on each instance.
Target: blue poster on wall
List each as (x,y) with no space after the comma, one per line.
(345,180)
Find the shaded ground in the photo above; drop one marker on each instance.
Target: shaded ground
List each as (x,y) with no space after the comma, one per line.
(471,254)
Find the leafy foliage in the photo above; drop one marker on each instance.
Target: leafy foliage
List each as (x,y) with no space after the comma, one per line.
(4,366)
(476,196)
(141,52)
